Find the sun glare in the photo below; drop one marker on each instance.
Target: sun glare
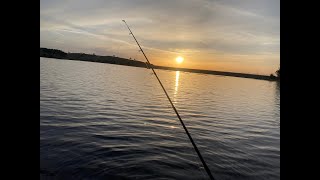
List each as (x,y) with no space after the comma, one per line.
(179,59)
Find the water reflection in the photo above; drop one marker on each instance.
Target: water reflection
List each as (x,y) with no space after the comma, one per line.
(278,88)
(176,86)
(104,106)
(177,82)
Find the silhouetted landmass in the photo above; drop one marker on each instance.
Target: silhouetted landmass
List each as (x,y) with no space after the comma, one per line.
(58,54)
(53,53)
(278,73)
(277,77)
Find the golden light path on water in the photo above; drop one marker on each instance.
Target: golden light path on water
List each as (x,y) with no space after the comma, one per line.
(176,91)
(176,86)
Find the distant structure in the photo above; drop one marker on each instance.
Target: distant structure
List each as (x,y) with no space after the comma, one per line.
(273,77)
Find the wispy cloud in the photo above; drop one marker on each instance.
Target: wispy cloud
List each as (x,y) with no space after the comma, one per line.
(195,28)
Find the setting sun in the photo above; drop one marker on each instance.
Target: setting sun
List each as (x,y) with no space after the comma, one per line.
(179,59)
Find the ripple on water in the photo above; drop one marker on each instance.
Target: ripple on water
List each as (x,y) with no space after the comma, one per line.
(106,121)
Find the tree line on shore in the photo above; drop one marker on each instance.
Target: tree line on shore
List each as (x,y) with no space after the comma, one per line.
(277,77)
(58,54)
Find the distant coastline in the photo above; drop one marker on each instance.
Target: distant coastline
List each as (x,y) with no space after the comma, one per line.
(58,54)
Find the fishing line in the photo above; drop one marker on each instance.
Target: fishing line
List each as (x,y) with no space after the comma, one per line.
(173,107)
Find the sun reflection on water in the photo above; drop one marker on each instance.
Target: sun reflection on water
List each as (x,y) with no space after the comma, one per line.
(176,85)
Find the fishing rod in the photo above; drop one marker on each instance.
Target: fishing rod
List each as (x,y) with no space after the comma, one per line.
(174,108)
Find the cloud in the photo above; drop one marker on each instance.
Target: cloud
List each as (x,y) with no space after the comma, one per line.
(228,27)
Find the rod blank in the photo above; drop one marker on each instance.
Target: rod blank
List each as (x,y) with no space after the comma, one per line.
(174,108)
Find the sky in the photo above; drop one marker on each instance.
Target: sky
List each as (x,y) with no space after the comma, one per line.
(224,35)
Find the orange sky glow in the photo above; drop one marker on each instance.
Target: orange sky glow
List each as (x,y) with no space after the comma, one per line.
(223,35)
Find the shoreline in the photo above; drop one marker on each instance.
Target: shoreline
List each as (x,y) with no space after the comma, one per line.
(58,54)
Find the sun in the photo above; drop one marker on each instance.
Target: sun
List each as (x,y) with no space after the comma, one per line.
(179,59)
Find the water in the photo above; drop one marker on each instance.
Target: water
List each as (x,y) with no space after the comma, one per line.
(103,121)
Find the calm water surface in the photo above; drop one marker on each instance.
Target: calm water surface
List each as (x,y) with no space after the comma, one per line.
(103,121)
